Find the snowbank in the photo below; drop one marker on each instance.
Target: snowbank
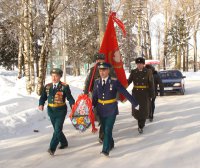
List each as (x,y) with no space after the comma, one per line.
(18,110)
(171,140)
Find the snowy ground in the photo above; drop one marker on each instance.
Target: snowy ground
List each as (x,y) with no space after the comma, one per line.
(171,141)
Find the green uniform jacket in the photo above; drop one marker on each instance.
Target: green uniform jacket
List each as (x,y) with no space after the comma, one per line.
(56,96)
(143,90)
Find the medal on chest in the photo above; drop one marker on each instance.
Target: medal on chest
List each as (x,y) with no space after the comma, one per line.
(110,87)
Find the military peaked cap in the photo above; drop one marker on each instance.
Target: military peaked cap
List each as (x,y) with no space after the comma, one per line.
(99,56)
(56,71)
(103,65)
(140,60)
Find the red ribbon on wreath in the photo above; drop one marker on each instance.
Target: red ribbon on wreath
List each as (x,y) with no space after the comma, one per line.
(79,116)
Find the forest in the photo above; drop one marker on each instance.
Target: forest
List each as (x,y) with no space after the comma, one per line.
(36,35)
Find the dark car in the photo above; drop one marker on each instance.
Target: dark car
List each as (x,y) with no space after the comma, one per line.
(173,81)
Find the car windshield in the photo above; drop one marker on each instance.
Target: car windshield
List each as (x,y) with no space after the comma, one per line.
(170,75)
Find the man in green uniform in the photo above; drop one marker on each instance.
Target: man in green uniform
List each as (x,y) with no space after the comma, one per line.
(56,93)
(143,91)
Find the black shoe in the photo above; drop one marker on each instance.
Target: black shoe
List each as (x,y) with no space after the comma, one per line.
(112,146)
(104,153)
(63,146)
(51,152)
(151,119)
(140,130)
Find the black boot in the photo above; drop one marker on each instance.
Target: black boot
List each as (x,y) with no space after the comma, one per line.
(140,130)
(104,153)
(51,152)
(63,146)
(150,119)
(112,146)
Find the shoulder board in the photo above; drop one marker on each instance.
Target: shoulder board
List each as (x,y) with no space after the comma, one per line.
(92,66)
(112,78)
(48,87)
(63,83)
(97,79)
(134,70)
(49,84)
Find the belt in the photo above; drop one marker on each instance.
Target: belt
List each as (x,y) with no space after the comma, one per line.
(107,101)
(141,87)
(56,105)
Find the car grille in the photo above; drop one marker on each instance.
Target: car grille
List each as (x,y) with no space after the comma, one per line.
(168,84)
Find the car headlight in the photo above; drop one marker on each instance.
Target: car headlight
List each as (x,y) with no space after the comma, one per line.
(177,84)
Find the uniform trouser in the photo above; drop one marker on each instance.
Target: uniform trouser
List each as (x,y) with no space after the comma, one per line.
(142,96)
(152,108)
(58,136)
(107,126)
(101,134)
(97,118)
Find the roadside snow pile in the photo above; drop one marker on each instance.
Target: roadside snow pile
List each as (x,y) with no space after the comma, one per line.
(18,110)
(192,75)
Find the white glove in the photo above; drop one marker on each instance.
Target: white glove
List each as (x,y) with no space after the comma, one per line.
(137,107)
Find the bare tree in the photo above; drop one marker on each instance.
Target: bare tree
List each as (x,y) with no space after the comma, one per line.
(187,23)
(130,42)
(165,34)
(26,43)
(151,8)
(101,18)
(20,53)
(195,23)
(52,12)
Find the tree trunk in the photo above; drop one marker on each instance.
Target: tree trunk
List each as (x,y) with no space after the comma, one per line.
(76,68)
(165,36)
(144,46)
(184,55)
(50,55)
(165,51)
(52,5)
(159,39)
(149,41)
(195,50)
(32,71)
(26,47)
(129,53)
(187,56)
(42,61)
(20,52)
(178,66)
(101,18)
(37,59)
(139,30)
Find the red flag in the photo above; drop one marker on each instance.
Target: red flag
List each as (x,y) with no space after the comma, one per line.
(110,48)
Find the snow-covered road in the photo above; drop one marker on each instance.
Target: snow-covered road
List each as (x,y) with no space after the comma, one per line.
(170,141)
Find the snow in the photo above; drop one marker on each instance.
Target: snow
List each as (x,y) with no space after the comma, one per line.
(171,140)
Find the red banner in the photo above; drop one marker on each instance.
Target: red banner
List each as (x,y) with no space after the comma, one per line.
(110,48)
